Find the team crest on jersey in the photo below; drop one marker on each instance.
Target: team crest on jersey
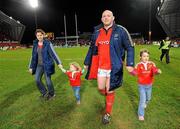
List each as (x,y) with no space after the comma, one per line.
(150,66)
(116,36)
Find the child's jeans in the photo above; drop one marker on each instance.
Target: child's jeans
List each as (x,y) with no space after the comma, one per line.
(145,96)
(76,90)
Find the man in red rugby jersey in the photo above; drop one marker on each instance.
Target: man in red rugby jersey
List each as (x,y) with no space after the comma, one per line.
(104,58)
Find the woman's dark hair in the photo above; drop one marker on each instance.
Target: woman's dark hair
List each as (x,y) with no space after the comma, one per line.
(39,30)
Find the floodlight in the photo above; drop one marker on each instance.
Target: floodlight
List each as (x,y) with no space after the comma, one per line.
(33,3)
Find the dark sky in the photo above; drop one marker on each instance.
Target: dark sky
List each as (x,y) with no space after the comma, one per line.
(132,14)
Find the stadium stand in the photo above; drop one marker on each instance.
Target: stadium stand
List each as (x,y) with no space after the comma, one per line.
(84,40)
(137,38)
(11,31)
(168,15)
(71,41)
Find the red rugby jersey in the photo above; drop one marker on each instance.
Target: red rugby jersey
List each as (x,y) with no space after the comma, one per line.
(75,80)
(103,43)
(145,72)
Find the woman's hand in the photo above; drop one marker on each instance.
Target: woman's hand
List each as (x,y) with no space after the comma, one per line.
(129,68)
(30,71)
(60,66)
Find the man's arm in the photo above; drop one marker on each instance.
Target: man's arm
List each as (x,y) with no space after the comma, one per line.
(169,46)
(89,54)
(161,44)
(129,47)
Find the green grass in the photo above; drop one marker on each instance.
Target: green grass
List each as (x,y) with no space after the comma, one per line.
(20,107)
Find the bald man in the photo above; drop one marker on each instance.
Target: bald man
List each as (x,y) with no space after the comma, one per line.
(104,58)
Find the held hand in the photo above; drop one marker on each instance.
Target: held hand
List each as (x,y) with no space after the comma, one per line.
(85,67)
(129,68)
(30,71)
(60,66)
(159,71)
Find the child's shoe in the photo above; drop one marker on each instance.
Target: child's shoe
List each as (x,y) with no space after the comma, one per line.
(141,118)
(145,106)
(78,102)
(106,118)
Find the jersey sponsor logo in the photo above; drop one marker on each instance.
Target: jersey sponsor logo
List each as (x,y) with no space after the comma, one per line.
(103,42)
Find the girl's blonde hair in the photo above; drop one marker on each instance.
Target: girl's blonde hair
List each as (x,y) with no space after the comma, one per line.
(76,65)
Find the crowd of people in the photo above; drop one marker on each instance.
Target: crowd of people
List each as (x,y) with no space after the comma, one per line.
(4,37)
(71,43)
